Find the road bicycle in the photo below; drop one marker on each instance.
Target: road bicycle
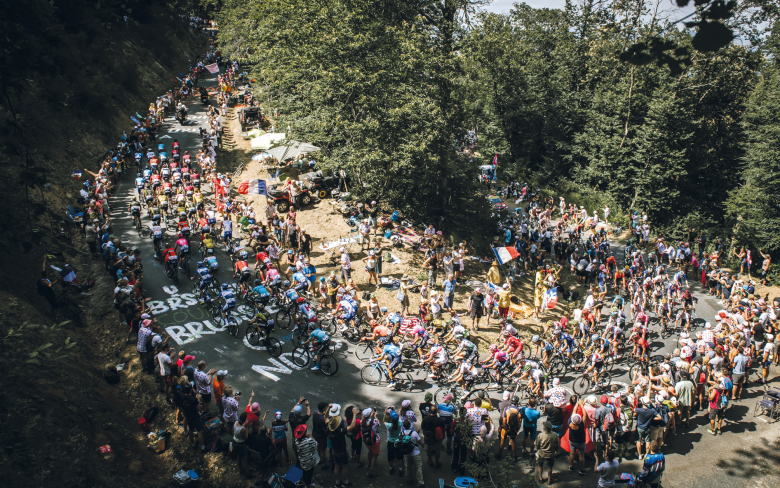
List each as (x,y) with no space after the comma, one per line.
(459,394)
(259,333)
(302,355)
(583,384)
(376,373)
(226,321)
(172,270)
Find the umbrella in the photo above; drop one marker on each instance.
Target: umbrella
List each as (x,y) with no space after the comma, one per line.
(293,150)
(265,141)
(255,133)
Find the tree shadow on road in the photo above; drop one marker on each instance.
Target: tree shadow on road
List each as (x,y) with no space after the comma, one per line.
(750,462)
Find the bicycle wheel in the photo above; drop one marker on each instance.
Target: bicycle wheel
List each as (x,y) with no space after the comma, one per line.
(145,232)
(577,357)
(284,318)
(298,337)
(328,365)
(364,351)
(605,379)
(352,335)
(403,381)
(330,326)
(371,374)
(442,392)
(666,331)
(474,394)
(273,346)
(634,371)
(232,326)
(253,336)
(418,372)
(557,368)
(300,357)
(581,385)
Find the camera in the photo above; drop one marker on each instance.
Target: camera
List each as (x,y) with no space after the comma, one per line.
(237,394)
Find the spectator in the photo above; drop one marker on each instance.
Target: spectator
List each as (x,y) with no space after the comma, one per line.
(319,430)
(393,426)
(297,418)
(607,470)
(230,404)
(337,433)
(432,427)
(530,419)
(279,429)
(203,385)
(354,420)
(189,407)
(240,435)
(412,461)
(164,358)
(306,449)
(369,432)
(218,390)
(546,444)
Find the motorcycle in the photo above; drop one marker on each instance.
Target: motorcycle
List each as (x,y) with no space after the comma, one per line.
(181,117)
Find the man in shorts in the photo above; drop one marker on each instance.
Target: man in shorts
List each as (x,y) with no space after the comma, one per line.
(476,308)
(740,364)
(530,418)
(546,445)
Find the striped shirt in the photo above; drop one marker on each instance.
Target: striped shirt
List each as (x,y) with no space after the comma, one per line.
(307,449)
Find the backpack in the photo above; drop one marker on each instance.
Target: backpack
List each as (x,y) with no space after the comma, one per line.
(366,430)
(513,420)
(439,433)
(664,411)
(404,443)
(609,421)
(148,343)
(626,416)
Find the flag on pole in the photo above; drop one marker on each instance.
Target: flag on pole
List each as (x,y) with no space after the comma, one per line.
(252,187)
(495,160)
(550,298)
(495,167)
(213,68)
(505,254)
(135,120)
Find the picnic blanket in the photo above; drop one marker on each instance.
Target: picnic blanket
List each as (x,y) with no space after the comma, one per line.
(331,244)
(396,259)
(519,311)
(493,199)
(408,234)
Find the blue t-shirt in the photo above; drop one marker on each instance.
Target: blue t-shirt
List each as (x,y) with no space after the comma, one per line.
(447,411)
(310,269)
(449,287)
(530,417)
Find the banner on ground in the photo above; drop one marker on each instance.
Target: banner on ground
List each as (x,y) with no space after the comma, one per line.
(213,68)
(252,187)
(505,254)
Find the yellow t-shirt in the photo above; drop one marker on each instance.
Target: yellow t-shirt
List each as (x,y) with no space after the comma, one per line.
(503,298)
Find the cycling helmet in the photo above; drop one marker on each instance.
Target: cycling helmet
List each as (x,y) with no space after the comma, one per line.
(383,310)
(373,323)
(138,174)
(258,282)
(322,279)
(594,337)
(557,332)
(515,400)
(225,286)
(493,347)
(200,264)
(286,284)
(290,252)
(300,300)
(270,265)
(394,318)
(180,234)
(535,339)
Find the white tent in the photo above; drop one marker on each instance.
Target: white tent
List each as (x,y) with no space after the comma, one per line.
(267,140)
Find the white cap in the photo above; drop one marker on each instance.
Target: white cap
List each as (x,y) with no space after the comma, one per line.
(707,325)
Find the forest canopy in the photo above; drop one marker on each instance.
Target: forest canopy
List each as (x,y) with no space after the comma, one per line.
(390,89)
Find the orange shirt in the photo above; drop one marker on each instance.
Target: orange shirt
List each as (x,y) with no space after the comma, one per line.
(218,389)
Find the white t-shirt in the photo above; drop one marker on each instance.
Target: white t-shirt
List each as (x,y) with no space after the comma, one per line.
(165,363)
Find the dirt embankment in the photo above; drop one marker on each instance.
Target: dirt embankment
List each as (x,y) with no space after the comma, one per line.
(56,408)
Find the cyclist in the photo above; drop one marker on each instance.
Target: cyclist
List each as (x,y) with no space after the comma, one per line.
(513,346)
(391,354)
(162,199)
(348,311)
(230,301)
(684,318)
(465,375)
(565,343)
(322,339)
(545,347)
(183,248)
(272,278)
(457,333)
(205,279)
(139,183)
(157,233)
(171,259)
(498,360)
(596,359)
(381,332)
(243,272)
(679,277)
(420,334)
(227,233)
(184,226)
(436,357)
(261,293)
(135,209)
(300,282)
(537,379)
(467,350)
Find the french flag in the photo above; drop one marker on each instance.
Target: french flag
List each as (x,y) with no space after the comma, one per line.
(252,187)
(505,254)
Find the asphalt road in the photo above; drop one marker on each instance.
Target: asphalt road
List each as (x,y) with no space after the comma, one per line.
(278,383)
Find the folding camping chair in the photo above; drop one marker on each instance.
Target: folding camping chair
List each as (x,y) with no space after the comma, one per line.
(769,405)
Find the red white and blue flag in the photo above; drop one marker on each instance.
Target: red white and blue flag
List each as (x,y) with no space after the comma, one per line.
(550,298)
(505,254)
(495,160)
(495,167)
(252,187)
(213,68)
